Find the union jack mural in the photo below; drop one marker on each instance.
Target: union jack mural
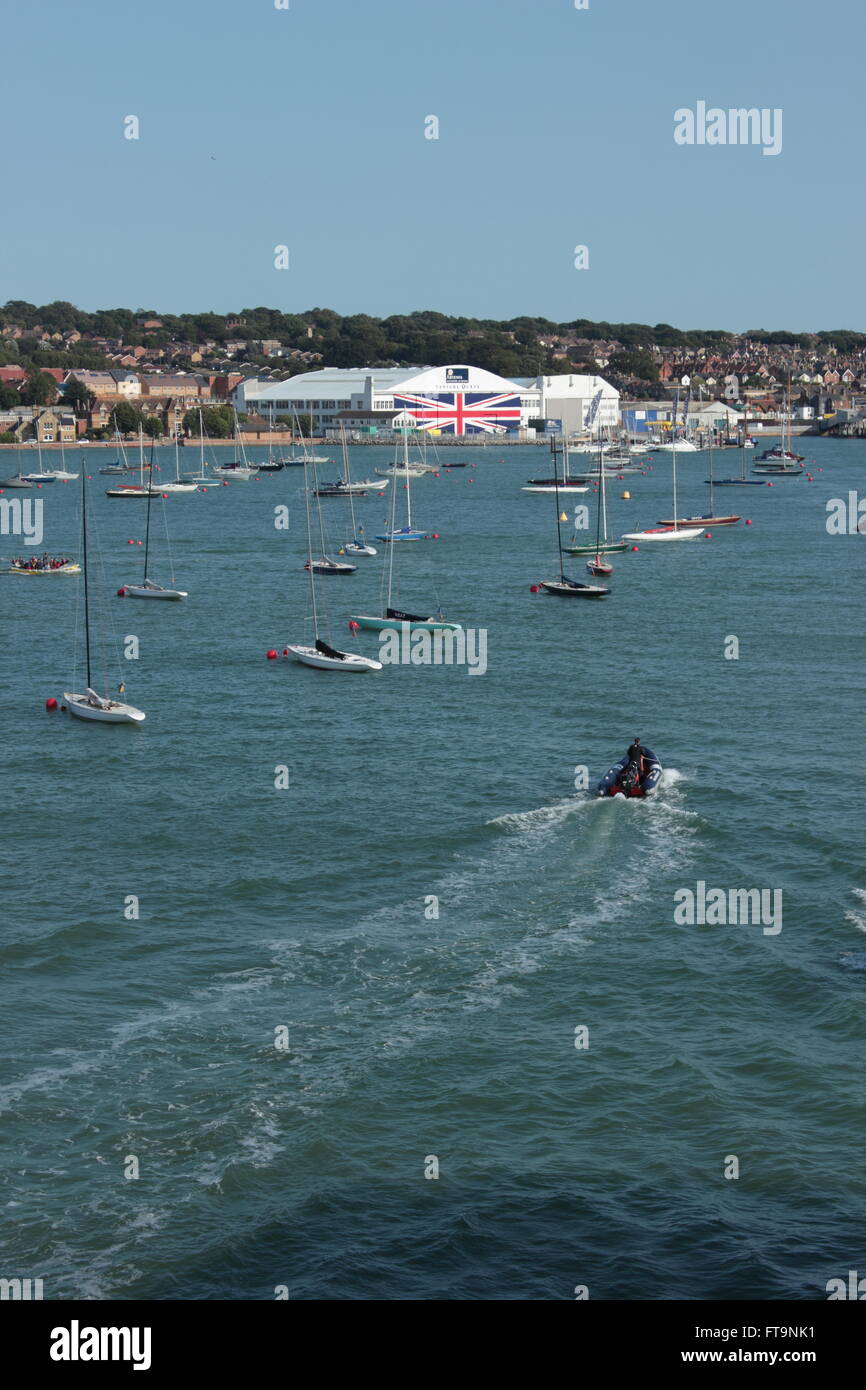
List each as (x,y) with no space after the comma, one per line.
(459,412)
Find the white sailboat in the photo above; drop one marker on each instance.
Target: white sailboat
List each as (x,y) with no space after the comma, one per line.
(357,545)
(674,532)
(100,709)
(177,485)
(148,588)
(407,532)
(391,615)
(131,489)
(321,654)
(41,476)
(239,469)
(62,473)
(202,478)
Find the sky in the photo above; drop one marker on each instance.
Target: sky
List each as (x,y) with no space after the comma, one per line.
(304,127)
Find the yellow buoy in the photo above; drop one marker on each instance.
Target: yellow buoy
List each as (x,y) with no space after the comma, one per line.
(626,497)
(563,517)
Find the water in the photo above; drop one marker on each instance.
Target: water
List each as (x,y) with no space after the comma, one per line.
(413,1036)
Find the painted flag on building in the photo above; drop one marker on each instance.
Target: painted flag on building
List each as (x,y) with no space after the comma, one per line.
(463,412)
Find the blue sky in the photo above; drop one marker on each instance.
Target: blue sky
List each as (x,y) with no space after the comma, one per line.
(305,127)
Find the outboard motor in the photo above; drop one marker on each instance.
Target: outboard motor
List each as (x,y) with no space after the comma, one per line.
(629,779)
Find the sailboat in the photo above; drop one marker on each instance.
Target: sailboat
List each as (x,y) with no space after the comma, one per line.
(18,479)
(416,621)
(148,588)
(556,484)
(202,478)
(324,565)
(62,474)
(272,465)
(603,545)
(122,465)
(357,545)
(673,532)
(742,481)
(90,705)
(780,460)
(177,485)
(322,655)
(709,516)
(239,468)
(565,587)
(407,532)
(131,489)
(41,476)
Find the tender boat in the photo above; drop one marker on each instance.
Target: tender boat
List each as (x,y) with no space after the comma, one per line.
(70,567)
(617,781)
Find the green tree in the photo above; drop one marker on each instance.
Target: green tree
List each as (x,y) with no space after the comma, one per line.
(152,426)
(9,397)
(77,395)
(127,417)
(38,389)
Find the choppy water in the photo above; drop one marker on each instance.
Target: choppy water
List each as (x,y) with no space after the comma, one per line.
(454,1036)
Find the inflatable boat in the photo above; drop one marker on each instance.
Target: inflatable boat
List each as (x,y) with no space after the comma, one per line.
(619,780)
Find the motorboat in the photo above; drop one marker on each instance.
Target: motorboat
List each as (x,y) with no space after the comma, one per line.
(626,779)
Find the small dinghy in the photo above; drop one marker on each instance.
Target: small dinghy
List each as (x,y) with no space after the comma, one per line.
(599,568)
(623,779)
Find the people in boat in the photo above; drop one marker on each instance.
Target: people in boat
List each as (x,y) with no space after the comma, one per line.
(636,768)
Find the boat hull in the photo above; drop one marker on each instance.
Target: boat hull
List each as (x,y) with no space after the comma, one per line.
(60,569)
(702,521)
(574,589)
(117,713)
(375,624)
(309,656)
(140,591)
(683,533)
(648,785)
(606,548)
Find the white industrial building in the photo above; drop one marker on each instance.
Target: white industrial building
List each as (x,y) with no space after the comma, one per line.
(457,399)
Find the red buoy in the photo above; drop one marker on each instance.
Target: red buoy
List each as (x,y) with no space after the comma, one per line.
(225,482)
(435,535)
(634,547)
(272,656)
(749,522)
(51,704)
(708,535)
(164,496)
(533,588)
(285,651)
(130,542)
(353,626)
(121,593)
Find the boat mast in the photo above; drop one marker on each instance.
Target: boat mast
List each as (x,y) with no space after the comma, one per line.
(345,449)
(310,553)
(393,544)
(408,480)
(84,561)
(201,441)
(553,450)
(147,524)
